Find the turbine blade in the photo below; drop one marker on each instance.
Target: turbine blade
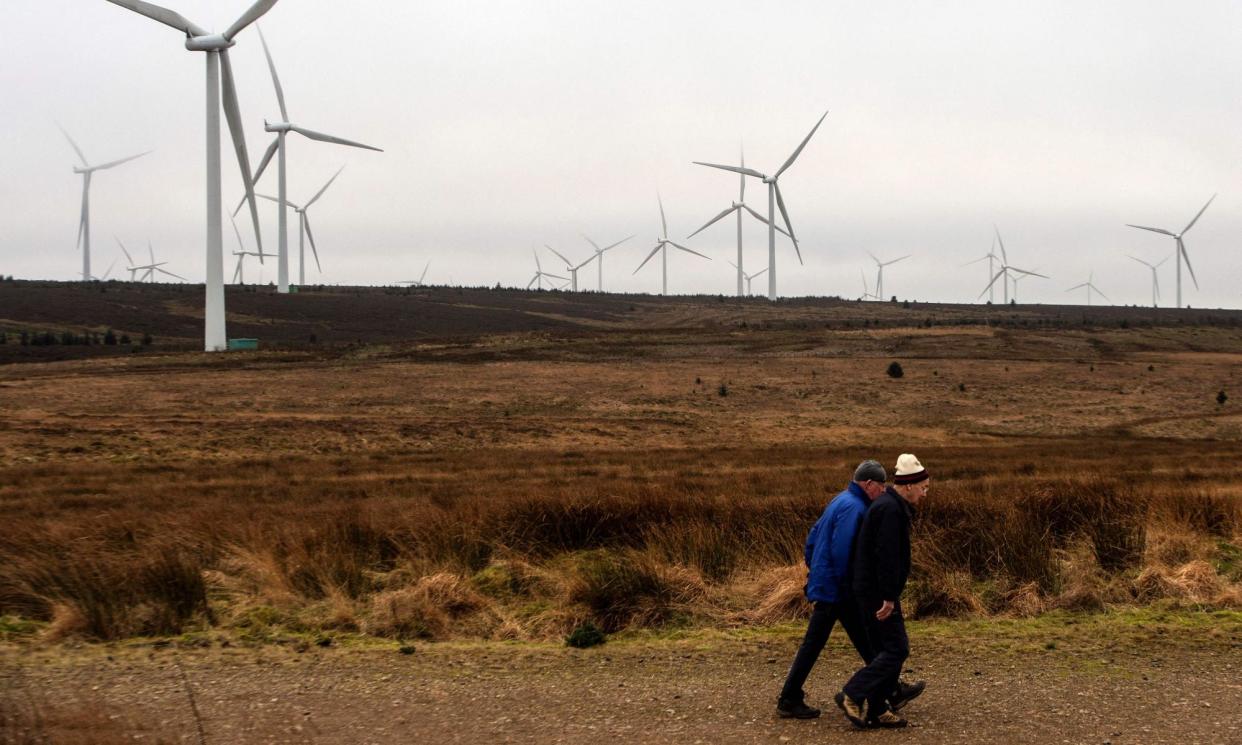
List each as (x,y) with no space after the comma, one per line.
(798,152)
(1154,230)
(756,274)
(237,271)
(82,216)
(267,158)
(109,272)
(663,222)
(320,136)
(151,251)
(712,221)
(764,220)
(165,271)
(110,164)
(74,145)
(1075,287)
(311,237)
(588,261)
(1186,256)
(237,233)
(999,274)
(1106,297)
(1144,263)
(424,274)
(128,258)
(1192,222)
(654,251)
(558,255)
(1161,262)
(319,193)
(593,243)
(780,202)
(1001,241)
(232,112)
(687,250)
(976,261)
(254,13)
(532,280)
(554,276)
(280,92)
(618,243)
(735,169)
(1023,271)
(741,193)
(163,15)
(894,261)
(538,266)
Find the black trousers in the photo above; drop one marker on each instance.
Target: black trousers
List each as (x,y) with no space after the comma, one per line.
(875,682)
(823,616)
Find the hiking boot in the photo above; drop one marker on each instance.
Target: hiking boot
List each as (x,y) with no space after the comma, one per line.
(795,709)
(887,720)
(855,711)
(906,692)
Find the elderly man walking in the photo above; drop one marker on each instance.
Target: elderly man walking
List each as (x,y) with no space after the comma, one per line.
(881,567)
(827,555)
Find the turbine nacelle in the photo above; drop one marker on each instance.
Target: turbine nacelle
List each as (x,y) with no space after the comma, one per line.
(277,126)
(208,43)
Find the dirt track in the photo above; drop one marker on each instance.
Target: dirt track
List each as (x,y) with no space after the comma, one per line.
(710,689)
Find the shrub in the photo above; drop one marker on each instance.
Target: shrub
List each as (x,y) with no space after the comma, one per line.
(585,635)
(1221,398)
(894,370)
(110,338)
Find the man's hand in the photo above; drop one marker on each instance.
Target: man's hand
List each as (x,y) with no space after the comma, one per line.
(885,610)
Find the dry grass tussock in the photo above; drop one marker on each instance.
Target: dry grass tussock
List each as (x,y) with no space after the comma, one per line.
(530,545)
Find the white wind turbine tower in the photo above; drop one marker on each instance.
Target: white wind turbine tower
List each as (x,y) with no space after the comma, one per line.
(749,277)
(216,47)
(277,147)
(540,274)
(1180,252)
(599,255)
(990,257)
(738,207)
(239,276)
(774,199)
(879,277)
(661,248)
(571,267)
(1006,269)
(304,228)
(1155,279)
(417,282)
(1090,286)
(84,219)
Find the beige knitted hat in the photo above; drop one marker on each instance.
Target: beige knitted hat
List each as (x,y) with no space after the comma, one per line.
(909,470)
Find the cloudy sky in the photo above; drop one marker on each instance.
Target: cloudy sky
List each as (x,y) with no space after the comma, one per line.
(510,125)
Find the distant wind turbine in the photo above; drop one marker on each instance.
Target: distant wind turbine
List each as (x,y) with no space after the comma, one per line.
(739,206)
(1006,270)
(990,257)
(84,218)
(1180,252)
(661,248)
(277,147)
(417,282)
(106,274)
(879,277)
(1090,287)
(241,253)
(599,255)
(571,267)
(1155,279)
(749,277)
(540,274)
(867,293)
(216,47)
(774,199)
(304,228)
(150,269)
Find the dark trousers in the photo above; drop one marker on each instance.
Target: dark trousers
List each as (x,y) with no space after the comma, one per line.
(875,682)
(823,616)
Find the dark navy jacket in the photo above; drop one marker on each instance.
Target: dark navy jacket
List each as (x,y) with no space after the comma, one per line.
(882,553)
(828,546)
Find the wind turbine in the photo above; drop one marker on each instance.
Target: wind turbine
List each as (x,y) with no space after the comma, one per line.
(990,256)
(739,206)
(599,254)
(749,277)
(106,274)
(879,277)
(661,248)
(152,268)
(216,47)
(304,228)
(1090,286)
(282,128)
(774,199)
(866,287)
(1155,279)
(540,274)
(241,253)
(417,282)
(570,267)
(1006,269)
(84,219)
(1180,252)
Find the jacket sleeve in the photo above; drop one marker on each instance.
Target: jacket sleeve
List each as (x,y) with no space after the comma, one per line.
(808,550)
(844,525)
(887,552)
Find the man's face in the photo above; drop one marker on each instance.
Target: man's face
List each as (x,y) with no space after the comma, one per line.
(873,488)
(916,492)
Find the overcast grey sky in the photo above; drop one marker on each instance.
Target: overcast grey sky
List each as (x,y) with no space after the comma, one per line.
(508,125)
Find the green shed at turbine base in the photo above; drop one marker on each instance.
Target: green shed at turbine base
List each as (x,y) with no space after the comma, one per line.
(243,344)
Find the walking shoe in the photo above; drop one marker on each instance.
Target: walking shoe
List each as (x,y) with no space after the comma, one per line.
(906,692)
(887,720)
(855,711)
(795,709)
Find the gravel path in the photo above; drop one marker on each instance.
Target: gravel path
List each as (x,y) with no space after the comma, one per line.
(713,689)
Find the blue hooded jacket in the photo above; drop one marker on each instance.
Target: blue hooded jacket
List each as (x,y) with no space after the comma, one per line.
(829,543)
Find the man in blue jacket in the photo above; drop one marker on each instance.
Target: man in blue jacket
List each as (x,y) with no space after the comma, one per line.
(828,584)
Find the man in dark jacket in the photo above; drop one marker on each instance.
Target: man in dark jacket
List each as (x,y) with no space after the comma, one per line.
(827,555)
(881,566)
